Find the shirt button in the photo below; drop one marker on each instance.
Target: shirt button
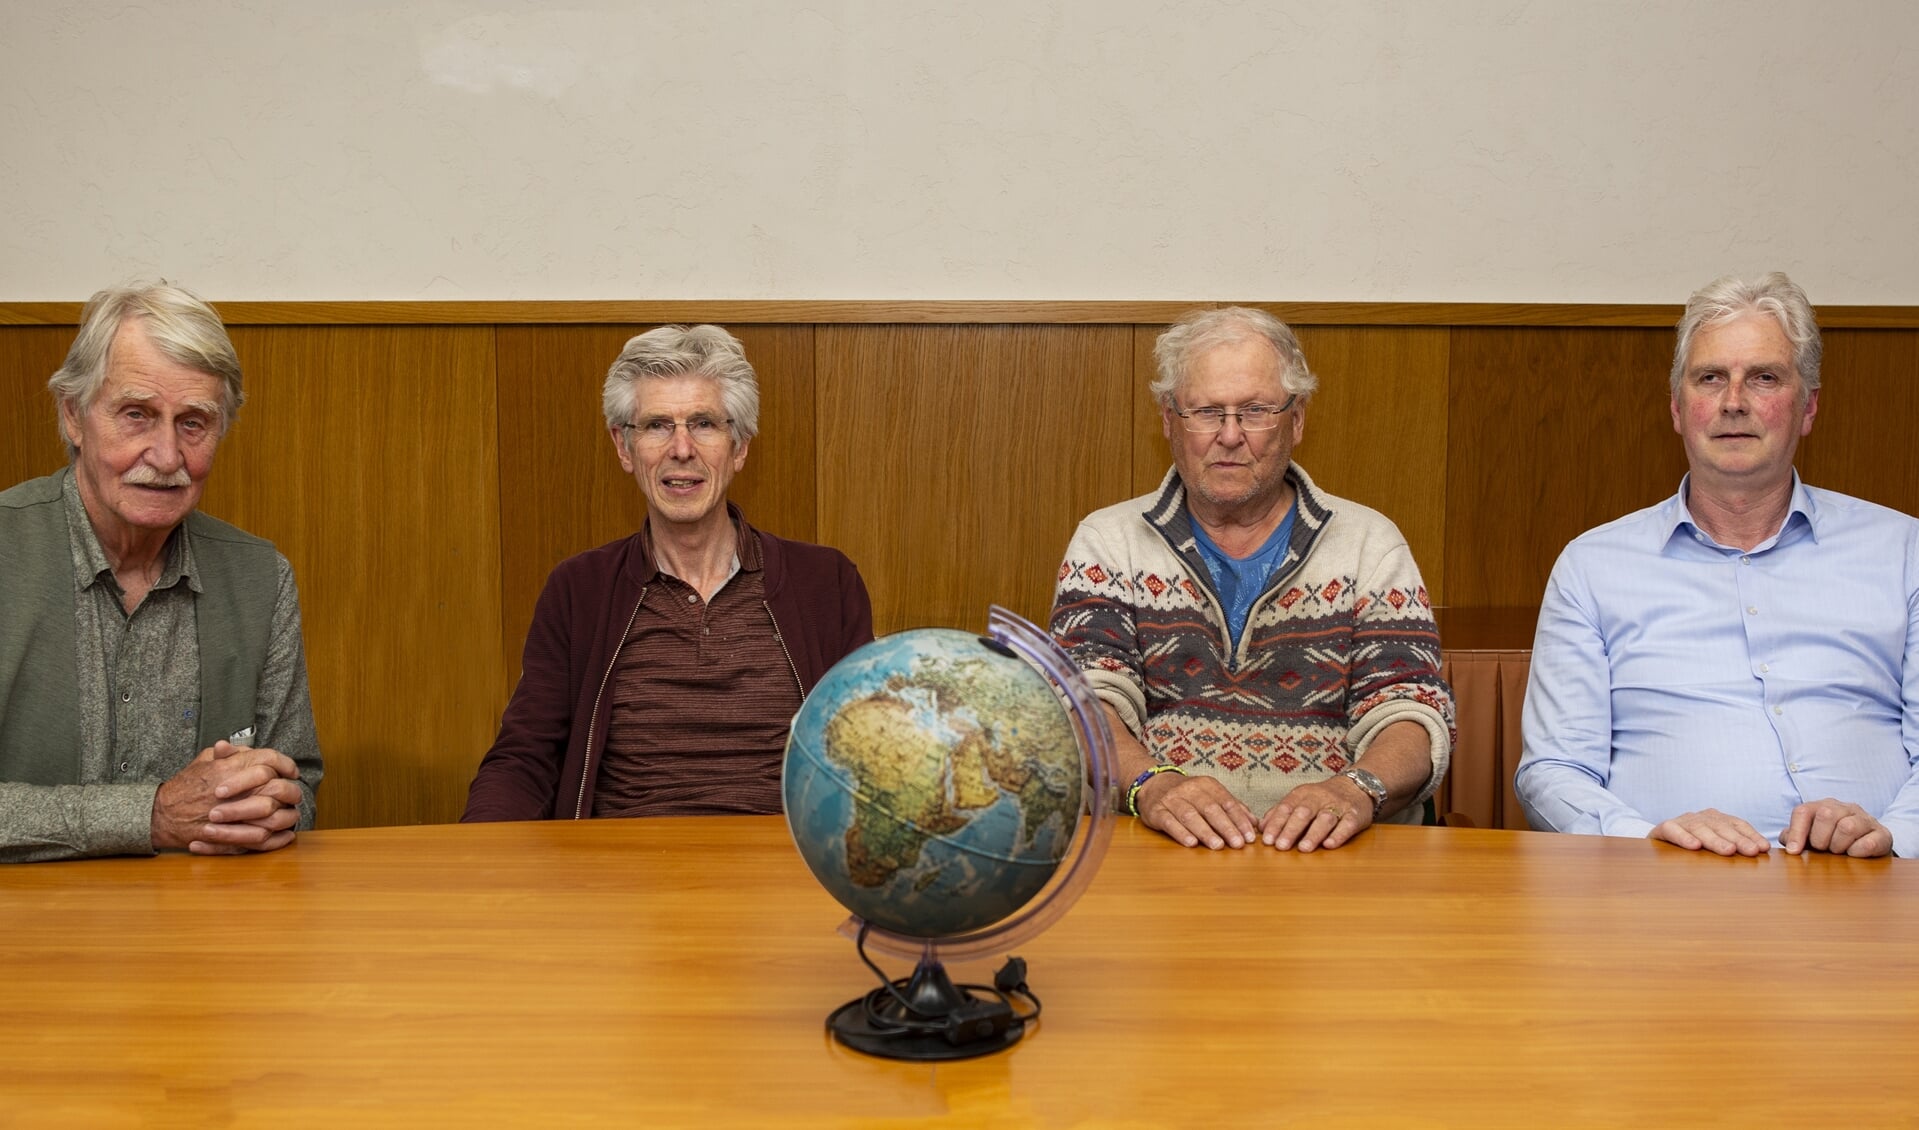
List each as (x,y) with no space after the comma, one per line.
(691,599)
(1778,710)
(1792,768)
(125,767)
(1764,667)
(1752,610)
(126,696)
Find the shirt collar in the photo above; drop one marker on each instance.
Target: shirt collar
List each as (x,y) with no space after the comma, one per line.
(747,557)
(1676,518)
(90,565)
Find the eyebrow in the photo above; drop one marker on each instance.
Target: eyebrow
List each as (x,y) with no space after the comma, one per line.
(1780,367)
(204,407)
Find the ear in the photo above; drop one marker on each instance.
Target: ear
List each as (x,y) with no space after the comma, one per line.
(1812,409)
(1166,419)
(1675,415)
(739,455)
(619,445)
(1299,422)
(70,424)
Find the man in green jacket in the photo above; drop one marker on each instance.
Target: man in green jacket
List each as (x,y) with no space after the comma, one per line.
(153,691)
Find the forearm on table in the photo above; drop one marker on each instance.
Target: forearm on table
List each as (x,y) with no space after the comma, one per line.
(1130,756)
(48,822)
(1558,797)
(1401,756)
(1901,818)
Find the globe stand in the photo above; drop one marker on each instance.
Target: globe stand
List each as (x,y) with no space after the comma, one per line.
(929,1018)
(1034,877)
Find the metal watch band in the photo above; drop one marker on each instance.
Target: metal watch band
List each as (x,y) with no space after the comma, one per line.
(1370,784)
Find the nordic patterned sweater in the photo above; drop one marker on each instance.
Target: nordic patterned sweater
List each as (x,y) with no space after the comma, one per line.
(1340,643)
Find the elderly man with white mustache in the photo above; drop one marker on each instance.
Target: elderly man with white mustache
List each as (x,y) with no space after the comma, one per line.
(153,691)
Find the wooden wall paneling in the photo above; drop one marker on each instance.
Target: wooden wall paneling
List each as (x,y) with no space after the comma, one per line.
(1553,432)
(367,454)
(29,442)
(1151,455)
(955,461)
(561,487)
(1376,429)
(1861,441)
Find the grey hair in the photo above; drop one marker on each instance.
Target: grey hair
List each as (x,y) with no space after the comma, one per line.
(1204,330)
(678,351)
(182,326)
(1774,295)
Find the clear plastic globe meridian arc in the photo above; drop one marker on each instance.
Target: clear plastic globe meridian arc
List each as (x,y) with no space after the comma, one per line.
(934,782)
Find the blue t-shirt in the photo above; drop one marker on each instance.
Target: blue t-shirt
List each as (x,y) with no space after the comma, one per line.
(1240,580)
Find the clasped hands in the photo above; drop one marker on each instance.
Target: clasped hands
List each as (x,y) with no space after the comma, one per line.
(1829,825)
(229,800)
(1199,810)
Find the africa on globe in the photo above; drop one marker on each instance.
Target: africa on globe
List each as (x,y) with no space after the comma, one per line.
(933,782)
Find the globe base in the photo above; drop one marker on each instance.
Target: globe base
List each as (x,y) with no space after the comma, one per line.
(937,1020)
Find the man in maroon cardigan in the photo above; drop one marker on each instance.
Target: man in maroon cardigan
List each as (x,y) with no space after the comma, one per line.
(662,671)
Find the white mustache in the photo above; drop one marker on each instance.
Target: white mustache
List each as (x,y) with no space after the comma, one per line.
(144,476)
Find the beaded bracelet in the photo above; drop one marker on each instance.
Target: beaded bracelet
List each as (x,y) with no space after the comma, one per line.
(1139,782)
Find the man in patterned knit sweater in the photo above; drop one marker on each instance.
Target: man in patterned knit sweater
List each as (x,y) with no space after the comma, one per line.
(1265,652)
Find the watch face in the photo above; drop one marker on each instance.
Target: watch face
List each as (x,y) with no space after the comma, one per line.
(1373,786)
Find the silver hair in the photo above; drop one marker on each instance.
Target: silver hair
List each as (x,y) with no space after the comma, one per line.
(1774,295)
(1205,330)
(181,325)
(676,351)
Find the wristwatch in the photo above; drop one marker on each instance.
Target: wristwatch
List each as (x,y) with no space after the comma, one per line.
(1369,784)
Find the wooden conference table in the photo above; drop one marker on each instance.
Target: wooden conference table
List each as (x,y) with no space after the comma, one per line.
(674,972)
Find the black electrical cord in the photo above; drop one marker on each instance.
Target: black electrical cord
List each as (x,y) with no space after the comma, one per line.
(1008,983)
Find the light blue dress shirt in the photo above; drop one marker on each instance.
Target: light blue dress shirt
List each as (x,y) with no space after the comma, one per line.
(1672,674)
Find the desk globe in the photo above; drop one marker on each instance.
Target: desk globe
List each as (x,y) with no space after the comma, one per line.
(953,792)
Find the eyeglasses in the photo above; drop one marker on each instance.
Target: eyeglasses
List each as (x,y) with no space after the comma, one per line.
(1251,417)
(705,431)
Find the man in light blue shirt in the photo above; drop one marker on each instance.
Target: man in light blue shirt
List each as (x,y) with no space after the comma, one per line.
(1740,663)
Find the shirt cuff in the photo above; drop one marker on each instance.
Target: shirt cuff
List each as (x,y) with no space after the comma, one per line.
(1636,827)
(119,819)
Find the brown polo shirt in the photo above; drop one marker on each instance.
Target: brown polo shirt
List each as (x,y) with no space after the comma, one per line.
(701,696)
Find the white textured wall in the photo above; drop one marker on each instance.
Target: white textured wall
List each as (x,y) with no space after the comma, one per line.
(1457,150)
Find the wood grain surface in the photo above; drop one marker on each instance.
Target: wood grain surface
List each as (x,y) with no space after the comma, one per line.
(1554,431)
(29,441)
(1376,429)
(367,455)
(679,973)
(1151,454)
(1862,439)
(955,461)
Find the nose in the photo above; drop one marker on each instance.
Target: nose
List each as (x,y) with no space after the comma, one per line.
(165,452)
(681,445)
(1734,402)
(1230,431)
